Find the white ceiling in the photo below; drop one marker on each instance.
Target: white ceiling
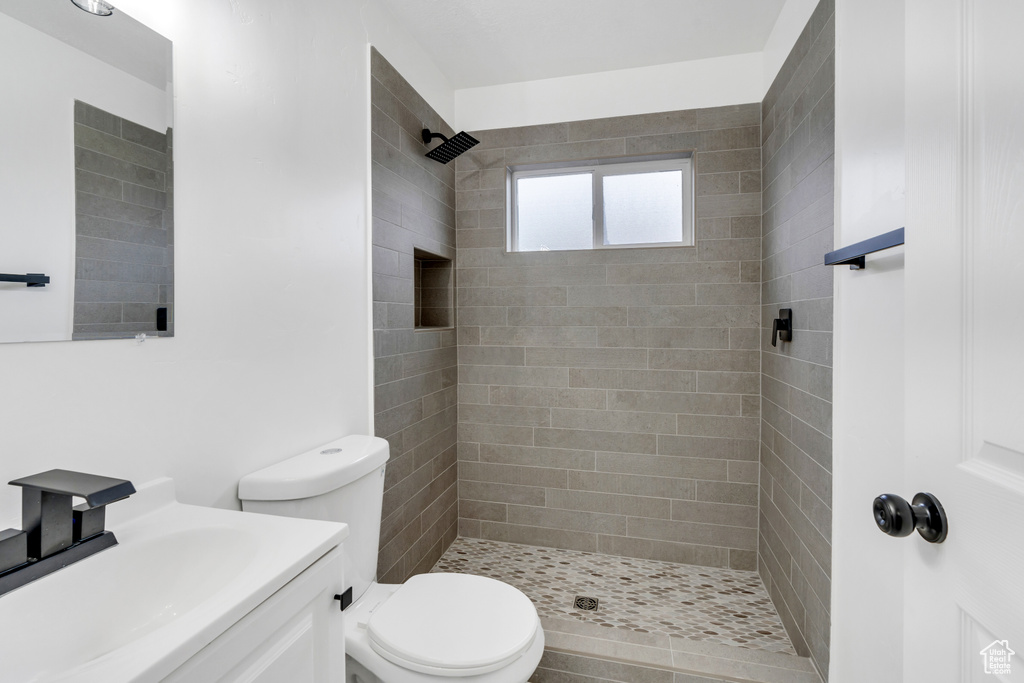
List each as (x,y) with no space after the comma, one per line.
(490,42)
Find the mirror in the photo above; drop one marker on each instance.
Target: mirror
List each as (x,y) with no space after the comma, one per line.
(86,182)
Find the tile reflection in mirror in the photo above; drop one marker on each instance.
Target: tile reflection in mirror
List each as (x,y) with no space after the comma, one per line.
(124,226)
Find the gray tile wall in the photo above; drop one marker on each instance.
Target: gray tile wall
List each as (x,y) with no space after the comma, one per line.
(794,545)
(124,226)
(414,370)
(609,400)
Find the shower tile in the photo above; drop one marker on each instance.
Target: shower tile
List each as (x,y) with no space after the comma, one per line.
(658,508)
(714,513)
(729,294)
(675,402)
(561,667)
(743,472)
(731,249)
(728,117)
(609,648)
(590,440)
(742,559)
(718,183)
(481,238)
(718,426)
(680,467)
(721,492)
(550,538)
(656,621)
(516,475)
(756,665)
(569,520)
(95,117)
(598,632)
(415,371)
(536,154)
(628,126)
(729,160)
(506,434)
(502,493)
(476,509)
(501,296)
(612,420)
(524,136)
(556,398)
(536,457)
(664,551)
(633,485)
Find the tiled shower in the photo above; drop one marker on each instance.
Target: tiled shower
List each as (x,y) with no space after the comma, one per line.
(621,403)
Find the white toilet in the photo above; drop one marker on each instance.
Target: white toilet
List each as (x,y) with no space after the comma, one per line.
(434,627)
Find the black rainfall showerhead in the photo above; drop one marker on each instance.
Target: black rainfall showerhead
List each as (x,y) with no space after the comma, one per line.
(450,148)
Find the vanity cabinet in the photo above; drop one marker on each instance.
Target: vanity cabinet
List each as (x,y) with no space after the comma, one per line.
(295,636)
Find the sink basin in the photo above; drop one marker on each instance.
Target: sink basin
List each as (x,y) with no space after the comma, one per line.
(181,576)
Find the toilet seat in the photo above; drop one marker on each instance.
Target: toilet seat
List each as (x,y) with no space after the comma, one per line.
(453,625)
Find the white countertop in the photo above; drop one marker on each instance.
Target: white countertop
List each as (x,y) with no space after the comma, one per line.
(180,577)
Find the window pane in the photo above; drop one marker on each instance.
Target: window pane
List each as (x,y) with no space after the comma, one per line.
(643,208)
(555,212)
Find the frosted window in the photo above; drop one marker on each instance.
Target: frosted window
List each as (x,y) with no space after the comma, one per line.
(643,208)
(555,212)
(603,204)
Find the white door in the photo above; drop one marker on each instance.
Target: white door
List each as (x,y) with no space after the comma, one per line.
(965,335)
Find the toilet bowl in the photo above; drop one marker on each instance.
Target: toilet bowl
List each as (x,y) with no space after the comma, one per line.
(441,627)
(434,627)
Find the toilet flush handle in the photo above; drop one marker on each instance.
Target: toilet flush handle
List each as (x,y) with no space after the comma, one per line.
(344,598)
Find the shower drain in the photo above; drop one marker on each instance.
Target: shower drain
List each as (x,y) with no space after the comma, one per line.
(584,603)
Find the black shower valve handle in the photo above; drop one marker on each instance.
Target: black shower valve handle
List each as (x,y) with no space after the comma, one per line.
(782,326)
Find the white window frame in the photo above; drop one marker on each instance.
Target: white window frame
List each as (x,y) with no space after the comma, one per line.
(599,169)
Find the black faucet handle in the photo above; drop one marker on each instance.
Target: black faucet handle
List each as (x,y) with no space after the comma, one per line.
(95,489)
(46,513)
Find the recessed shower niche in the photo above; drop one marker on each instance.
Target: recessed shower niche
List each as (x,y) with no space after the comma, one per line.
(433,276)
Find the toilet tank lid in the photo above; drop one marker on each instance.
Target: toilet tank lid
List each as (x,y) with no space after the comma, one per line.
(317,471)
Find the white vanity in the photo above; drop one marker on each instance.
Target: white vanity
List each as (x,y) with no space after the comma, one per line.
(189,594)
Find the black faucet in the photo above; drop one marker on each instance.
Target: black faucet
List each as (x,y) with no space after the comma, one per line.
(55,534)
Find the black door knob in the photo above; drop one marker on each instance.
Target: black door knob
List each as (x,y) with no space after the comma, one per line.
(896,517)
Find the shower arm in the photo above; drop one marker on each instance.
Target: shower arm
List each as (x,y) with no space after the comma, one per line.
(428,136)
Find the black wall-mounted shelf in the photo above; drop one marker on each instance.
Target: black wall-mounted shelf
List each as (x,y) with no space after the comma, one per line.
(30,279)
(855,253)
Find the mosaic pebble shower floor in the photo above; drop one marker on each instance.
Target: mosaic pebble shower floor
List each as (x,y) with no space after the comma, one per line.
(723,606)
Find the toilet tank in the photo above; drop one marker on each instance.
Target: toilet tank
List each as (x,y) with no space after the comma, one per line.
(341,481)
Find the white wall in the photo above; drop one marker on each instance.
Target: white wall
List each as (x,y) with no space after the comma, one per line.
(867,573)
(788,27)
(271,354)
(668,87)
(409,59)
(37,171)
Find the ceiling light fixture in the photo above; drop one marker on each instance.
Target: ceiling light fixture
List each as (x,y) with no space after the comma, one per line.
(97,7)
